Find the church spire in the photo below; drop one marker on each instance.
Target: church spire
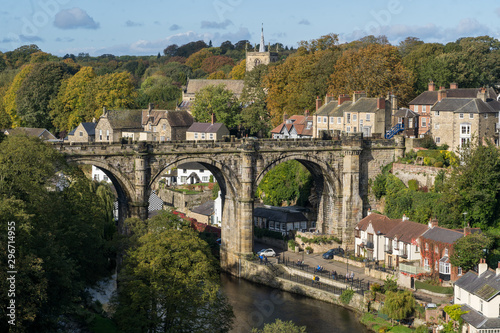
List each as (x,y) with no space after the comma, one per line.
(262,46)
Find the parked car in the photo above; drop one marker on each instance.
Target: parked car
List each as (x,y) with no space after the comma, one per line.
(267,253)
(333,252)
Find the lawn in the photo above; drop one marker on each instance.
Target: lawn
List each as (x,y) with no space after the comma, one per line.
(434,289)
(376,323)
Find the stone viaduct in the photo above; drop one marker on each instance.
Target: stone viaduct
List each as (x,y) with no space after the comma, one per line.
(341,168)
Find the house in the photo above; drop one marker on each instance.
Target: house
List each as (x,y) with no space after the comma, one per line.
(423,103)
(113,123)
(295,127)
(401,243)
(282,219)
(192,173)
(84,132)
(360,114)
(207,131)
(456,120)
(203,213)
(40,133)
(479,295)
(369,235)
(437,247)
(194,86)
(409,122)
(165,125)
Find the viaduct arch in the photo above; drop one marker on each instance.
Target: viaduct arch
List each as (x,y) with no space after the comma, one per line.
(340,167)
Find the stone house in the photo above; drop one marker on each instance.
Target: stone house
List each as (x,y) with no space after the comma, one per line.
(113,123)
(409,120)
(295,127)
(282,219)
(456,120)
(84,132)
(207,131)
(369,116)
(423,103)
(479,295)
(369,235)
(166,125)
(437,247)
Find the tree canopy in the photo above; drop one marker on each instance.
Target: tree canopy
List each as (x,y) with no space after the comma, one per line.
(468,250)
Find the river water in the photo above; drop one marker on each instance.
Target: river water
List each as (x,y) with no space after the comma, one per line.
(255,305)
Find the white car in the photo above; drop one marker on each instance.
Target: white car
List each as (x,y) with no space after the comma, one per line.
(267,253)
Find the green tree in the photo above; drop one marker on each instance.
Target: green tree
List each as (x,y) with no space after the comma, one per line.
(399,305)
(160,91)
(217,100)
(468,250)
(10,96)
(280,327)
(255,116)
(169,282)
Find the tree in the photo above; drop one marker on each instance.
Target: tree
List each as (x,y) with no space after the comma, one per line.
(255,116)
(468,250)
(455,313)
(238,71)
(399,305)
(217,100)
(160,91)
(214,63)
(280,327)
(10,96)
(170,283)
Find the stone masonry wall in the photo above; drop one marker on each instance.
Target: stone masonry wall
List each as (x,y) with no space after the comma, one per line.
(183,202)
(425,175)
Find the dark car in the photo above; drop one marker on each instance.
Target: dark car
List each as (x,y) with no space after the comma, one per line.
(333,252)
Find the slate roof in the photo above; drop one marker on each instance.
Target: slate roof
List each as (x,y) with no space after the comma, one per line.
(431,97)
(327,109)
(407,231)
(124,119)
(179,118)
(405,113)
(30,131)
(479,321)
(192,166)
(381,223)
(443,235)
(363,104)
(464,105)
(485,286)
(89,128)
(206,208)
(279,215)
(205,127)
(193,86)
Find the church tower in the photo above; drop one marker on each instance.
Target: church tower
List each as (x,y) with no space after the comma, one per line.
(253,59)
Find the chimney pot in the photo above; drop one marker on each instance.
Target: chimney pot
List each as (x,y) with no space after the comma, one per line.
(432,86)
(318,103)
(453,85)
(213,118)
(343,98)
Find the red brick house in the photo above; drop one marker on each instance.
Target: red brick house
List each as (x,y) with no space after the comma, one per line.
(437,247)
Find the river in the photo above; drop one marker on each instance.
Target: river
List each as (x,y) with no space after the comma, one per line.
(255,305)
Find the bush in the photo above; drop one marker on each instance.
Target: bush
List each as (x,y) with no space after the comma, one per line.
(346,296)
(438,164)
(390,284)
(413,184)
(309,249)
(292,244)
(428,142)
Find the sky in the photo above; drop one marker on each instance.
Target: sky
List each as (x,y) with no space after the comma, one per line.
(147,27)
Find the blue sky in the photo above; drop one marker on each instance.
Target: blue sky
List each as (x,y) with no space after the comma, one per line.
(128,27)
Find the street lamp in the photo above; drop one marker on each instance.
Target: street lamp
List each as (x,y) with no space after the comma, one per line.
(465,219)
(303,250)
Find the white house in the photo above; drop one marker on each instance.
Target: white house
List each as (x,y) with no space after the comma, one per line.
(99,175)
(192,173)
(479,295)
(217,217)
(369,235)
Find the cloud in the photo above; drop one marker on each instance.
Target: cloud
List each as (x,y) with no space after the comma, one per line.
(74,18)
(305,22)
(30,39)
(131,24)
(215,25)
(174,27)
(65,39)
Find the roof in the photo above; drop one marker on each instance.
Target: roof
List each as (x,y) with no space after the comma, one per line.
(443,235)
(279,215)
(206,208)
(30,131)
(206,127)
(192,166)
(407,231)
(464,105)
(326,109)
(479,321)
(405,113)
(299,122)
(179,118)
(380,223)
(485,286)
(89,128)
(123,119)
(431,97)
(193,86)
(364,104)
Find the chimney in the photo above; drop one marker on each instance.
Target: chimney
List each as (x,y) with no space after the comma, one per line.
(441,94)
(482,267)
(433,223)
(285,117)
(357,95)
(213,118)
(343,98)
(453,85)
(150,108)
(481,94)
(318,103)
(498,268)
(93,120)
(404,218)
(370,211)
(306,114)
(432,86)
(329,98)
(381,103)
(104,112)
(394,103)
(467,230)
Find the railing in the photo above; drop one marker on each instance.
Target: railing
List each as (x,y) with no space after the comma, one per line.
(410,269)
(395,130)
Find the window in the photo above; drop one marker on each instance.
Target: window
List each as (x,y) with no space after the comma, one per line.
(436,249)
(471,116)
(183,179)
(211,136)
(444,268)
(465,129)
(319,120)
(162,138)
(100,135)
(348,118)
(204,179)
(436,126)
(427,246)
(105,178)
(203,136)
(81,133)
(348,129)
(458,293)
(154,129)
(354,117)
(325,120)
(339,120)
(332,120)
(164,127)
(150,127)
(438,140)
(96,177)
(424,122)
(461,116)
(107,135)
(485,116)
(426,264)
(196,136)
(446,252)
(360,123)
(424,108)
(436,265)
(496,115)
(436,113)
(459,271)
(367,117)
(481,306)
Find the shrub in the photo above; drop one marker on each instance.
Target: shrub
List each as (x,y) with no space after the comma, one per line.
(413,184)
(346,296)
(390,284)
(438,164)
(292,244)
(309,249)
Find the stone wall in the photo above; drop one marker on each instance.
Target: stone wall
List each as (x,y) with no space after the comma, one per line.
(273,242)
(377,274)
(425,175)
(181,201)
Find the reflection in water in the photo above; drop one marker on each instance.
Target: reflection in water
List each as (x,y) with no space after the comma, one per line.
(255,305)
